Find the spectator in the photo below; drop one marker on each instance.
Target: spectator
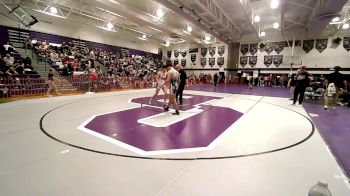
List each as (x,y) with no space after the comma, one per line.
(291,84)
(302,82)
(336,79)
(9,60)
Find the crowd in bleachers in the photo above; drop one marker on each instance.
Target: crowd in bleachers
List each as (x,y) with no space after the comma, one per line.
(17,76)
(79,66)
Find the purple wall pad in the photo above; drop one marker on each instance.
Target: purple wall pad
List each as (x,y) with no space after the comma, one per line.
(192,132)
(334,126)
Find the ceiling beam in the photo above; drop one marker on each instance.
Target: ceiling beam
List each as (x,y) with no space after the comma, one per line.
(301,5)
(323,13)
(283,7)
(180,12)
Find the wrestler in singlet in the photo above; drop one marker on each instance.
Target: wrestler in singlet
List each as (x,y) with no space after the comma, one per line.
(160,78)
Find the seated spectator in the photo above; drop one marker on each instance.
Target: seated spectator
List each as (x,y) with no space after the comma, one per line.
(54,57)
(11,71)
(20,69)
(9,48)
(65,71)
(28,67)
(28,43)
(9,60)
(27,61)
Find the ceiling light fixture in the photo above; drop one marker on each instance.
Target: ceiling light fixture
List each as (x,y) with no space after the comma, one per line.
(257,19)
(262,34)
(274,4)
(142,37)
(276,25)
(166,43)
(336,19)
(159,13)
(53,10)
(110,25)
(346,26)
(207,38)
(188,29)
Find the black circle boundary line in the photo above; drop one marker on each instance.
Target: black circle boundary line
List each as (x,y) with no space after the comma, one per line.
(168,158)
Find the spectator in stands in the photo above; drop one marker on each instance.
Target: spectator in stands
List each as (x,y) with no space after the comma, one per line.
(3,66)
(9,48)
(54,57)
(28,43)
(27,61)
(9,60)
(65,71)
(20,69)
(11,71)
(338,80)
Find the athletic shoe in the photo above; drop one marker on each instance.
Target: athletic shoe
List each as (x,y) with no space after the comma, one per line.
(334,108)
(340,103)
(176,112)
(325,107)
(299,104)
(166,108)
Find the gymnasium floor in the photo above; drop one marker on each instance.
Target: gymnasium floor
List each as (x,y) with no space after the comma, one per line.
(228,140)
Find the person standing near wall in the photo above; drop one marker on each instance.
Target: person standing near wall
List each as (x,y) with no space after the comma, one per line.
(52,85)
(183,79)
(291,84)
(302,82)
(216,79)
(337,80)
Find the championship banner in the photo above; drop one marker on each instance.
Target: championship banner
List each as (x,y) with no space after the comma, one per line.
(221,50)
(243,60)
(211,62)
(244,48)
(290,43)
(346,43)
(308,45)
(204,52)
(193,50)
(203,62)
(253,48)
(269,47)
(277,60)
(193,57)
(279,46)
(183,54)
(212,51)
(176,53)
(183,62)
(221,61)
(253,60)
(176,62)
(168,54)
(268,60)
(321,44)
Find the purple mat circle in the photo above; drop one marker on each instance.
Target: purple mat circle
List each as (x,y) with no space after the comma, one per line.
(169,158)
